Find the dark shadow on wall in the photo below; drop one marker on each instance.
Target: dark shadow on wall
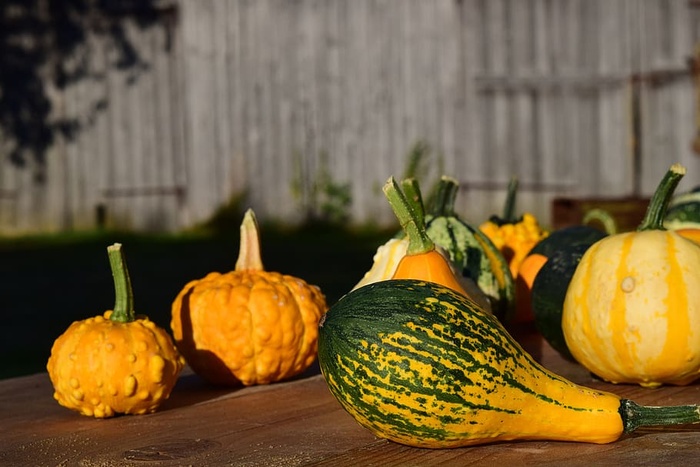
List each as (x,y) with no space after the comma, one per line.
(42,46)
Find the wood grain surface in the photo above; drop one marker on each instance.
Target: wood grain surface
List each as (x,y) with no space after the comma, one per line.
(297,423)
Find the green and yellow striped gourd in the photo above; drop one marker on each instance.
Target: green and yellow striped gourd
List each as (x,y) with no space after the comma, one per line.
(472,252)
(479,264)
(419,364)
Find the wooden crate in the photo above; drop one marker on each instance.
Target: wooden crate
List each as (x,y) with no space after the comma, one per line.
(627,212)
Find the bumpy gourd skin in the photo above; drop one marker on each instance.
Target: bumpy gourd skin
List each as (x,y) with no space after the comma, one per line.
(248,327)
(101,368)
(515,240)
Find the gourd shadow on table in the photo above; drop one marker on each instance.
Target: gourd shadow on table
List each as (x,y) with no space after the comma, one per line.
(192,389)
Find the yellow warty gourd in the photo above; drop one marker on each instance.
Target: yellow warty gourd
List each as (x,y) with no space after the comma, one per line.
(515,240)
(513,236)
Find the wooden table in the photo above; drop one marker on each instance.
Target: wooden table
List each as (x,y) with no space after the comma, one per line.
(297,423)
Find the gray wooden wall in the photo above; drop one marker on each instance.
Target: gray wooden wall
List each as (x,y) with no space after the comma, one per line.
(262,97)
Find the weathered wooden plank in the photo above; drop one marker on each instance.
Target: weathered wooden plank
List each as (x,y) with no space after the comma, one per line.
(200,121)
(298,423)
(266,95)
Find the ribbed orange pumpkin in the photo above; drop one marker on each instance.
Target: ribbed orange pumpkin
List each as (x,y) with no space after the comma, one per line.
(248,326)
(632,309)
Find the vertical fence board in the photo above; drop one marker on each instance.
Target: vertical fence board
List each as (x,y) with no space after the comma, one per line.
(266,98)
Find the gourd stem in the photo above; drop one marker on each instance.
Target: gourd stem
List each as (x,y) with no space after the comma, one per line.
(444,205)
(124,298)
(635,416)
(602,216)
(654,217)
(509,207)
(249,258)
(409,212)
(411,191)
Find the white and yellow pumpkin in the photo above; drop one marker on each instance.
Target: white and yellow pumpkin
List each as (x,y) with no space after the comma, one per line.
(632,309)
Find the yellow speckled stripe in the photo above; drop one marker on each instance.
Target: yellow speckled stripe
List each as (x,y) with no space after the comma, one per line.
(676,306)
(617,325)
(583,307)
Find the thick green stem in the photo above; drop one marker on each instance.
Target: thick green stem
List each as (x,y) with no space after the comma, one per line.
(409,212)
(444,205)
(636,416)
(124,298)
(249,258)
(413,195)
(509,207)
(654,218)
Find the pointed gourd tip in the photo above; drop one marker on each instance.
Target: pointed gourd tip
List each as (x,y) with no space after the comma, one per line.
(678,168)
(114,247)
(249,218)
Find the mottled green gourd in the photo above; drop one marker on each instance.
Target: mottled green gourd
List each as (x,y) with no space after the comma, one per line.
(419,364)
(471,255)
(683,211)
(472,252)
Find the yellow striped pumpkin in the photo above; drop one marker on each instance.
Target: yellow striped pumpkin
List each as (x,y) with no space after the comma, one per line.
(632,309)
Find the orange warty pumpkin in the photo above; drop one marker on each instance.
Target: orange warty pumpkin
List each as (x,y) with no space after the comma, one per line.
(115,363)
(248,326)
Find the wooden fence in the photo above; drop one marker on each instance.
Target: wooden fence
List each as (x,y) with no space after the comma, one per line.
(286,101)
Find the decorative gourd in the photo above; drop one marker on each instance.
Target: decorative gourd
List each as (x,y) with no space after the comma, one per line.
(549,291)
(473,253)
(683,211)
(248,326)
(116,363)
(478,265)
(560,240)
(513,236)
(690,234)
(567,237)
(419,364)
(632,309)
(423,260)
(527,271)
(683,215)
(384,261)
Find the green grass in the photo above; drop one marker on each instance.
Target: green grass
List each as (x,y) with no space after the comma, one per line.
(47,282)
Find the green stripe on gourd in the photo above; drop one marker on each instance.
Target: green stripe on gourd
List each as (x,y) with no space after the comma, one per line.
(471,251)
(683,211)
